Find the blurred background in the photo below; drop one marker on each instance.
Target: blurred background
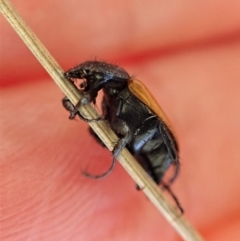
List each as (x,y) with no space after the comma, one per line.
(186,52)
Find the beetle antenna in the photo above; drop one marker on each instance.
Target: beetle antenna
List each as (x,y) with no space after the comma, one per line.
(86,174)
(169,190)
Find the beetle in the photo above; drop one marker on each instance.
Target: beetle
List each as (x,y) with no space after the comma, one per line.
(133,114)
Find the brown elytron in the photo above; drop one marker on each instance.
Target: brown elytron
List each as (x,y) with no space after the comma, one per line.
(145,96)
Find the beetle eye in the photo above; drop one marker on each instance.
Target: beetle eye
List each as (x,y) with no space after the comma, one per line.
(86,71)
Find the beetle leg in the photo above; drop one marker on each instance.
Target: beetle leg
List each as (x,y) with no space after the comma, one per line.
(103,174)
(169,190)
(110,168)
(122,129)
(67,104)
(69,107)
(176,172)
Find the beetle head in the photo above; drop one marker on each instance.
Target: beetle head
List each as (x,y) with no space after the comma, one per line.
(98,74)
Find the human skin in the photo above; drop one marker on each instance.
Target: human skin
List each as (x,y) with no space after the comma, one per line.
(187,53)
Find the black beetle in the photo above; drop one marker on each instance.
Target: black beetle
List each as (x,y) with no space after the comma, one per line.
(133,114)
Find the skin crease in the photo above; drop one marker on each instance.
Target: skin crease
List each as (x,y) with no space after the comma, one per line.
(187,53)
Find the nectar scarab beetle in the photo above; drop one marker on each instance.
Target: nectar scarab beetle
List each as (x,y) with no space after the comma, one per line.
(133,114)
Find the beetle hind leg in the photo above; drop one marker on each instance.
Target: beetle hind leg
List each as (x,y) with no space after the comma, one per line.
(169,190)
(176,165)
(157,172)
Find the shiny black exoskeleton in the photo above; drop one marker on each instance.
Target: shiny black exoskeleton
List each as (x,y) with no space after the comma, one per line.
(139,129)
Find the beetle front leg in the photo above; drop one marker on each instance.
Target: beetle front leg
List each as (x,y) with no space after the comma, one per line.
(67,104)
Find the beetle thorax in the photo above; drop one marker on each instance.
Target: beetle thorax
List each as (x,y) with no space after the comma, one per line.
(114,87)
